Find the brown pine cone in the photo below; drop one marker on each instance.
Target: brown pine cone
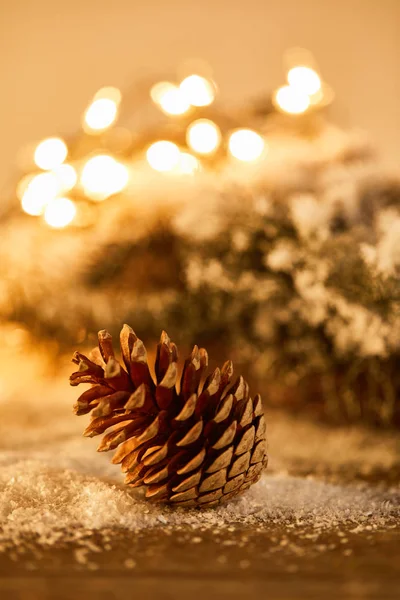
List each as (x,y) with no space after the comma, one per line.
(198,446)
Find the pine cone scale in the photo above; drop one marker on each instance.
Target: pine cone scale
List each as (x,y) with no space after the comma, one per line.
(186,444)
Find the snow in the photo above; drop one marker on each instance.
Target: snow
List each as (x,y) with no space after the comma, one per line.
(41,500)
(54,487)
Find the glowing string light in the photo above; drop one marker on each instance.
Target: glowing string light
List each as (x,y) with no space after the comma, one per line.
(59,212)
(188,164)
(158,90)
(40,190)
(101,114)
(304,79)
(112,93)
(23,185)
(67,176)
(169,98)
(197,90)
(203,136)
(103,176)
(246,145)
(163,156)
(50,153)
(291,100)
(103,110)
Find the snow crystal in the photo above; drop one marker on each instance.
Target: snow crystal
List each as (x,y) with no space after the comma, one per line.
(44,502)
(388,250)
(310,216)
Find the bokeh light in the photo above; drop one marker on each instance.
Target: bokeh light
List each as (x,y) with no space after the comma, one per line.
(59,212)
(67,176)
(323,96)
(101,114)
(291,100)
(197,90)
(170,98)
(158,90)
(188,164)
(41,189)
(110,92)
(50,153)
(304,79)
(246,145)
(163,156)
(103,176)
(23,185)
(203,136)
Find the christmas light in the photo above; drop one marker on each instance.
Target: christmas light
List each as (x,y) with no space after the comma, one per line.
(291,100)
(112,93)
(163,156)
(170,98)
(203,136)
(103,110)
(103,176)
(323,96)
(23,185)
(40,190)
(158,90)
(304,79)
(50,153)
(246,145)
(101,114)
(67,176)
(197,90)
(188,164)
(59,212)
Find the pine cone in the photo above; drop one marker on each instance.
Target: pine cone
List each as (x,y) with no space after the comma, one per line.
(198,446)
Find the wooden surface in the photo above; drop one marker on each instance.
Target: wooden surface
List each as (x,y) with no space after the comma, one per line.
(260,562)
(49,473)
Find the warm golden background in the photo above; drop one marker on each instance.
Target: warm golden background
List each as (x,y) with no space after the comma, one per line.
(288,264)
(55,55)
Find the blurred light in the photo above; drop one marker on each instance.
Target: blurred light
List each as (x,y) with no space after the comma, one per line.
(103,110)
(67,176)
(59,212)
(40,190)
(111,93)
(158,90)
(291,100)
(246,145)
(50,153)
(188,164)
(203,136)
(174,103)
(304,79)
(101,114)
(23,185)
(197,90)
(163,156)
(323,97)
(103,176)
(170,98)
(316,98)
